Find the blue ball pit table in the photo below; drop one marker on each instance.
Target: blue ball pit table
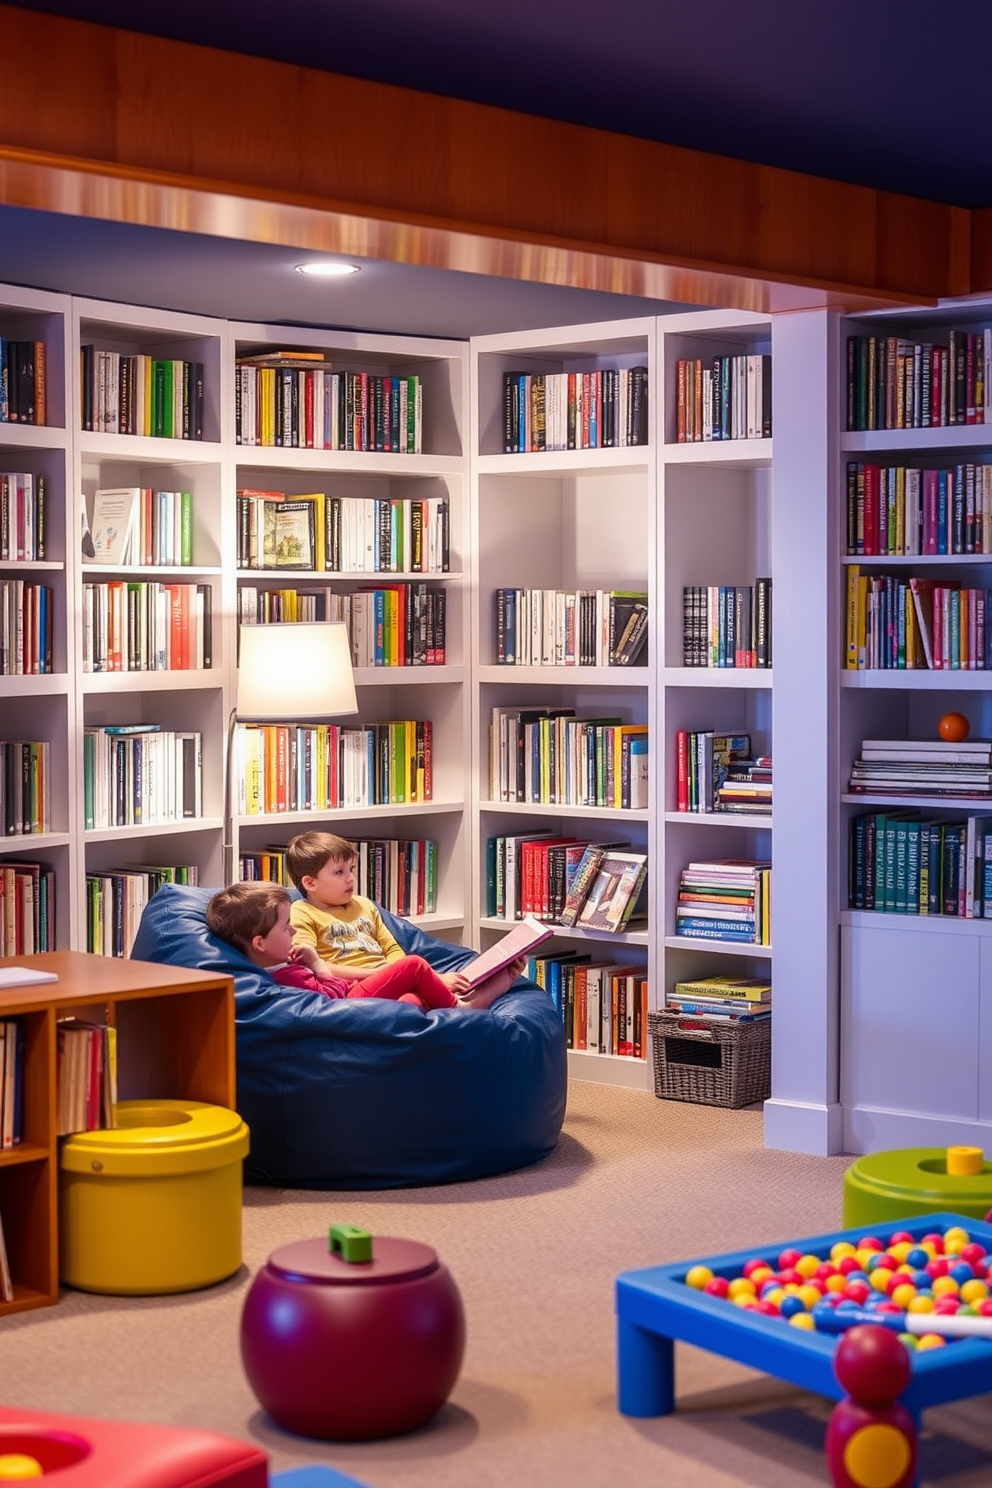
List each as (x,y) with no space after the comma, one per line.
(655,1308)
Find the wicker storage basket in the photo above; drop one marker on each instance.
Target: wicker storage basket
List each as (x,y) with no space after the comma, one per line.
(713,1061)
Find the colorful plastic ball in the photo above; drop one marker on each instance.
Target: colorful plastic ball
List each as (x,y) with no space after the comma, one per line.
(918,1257)
(945,1286)
(962,1271)
(836,1283)
(698,1276)
(922,1302)
(775,1295)
(934,1238)
(908,1340)
(824,1270)
(17,1467)
(920,1279)
(903,1294)
(878,1260)
(984,1309)
(789,1306)
(790,1276)
(857,1291)
(754,1264)
(939,1266)
(848,1263)
(953,728)
(745,1300)
(802,1320)
(807,1266)
(974,1253)
(717,1286)
(899,1251)
(788,1259)
(809,1295)
(967,1310)
(902,1237)
(872,1365)
(881,1278)
(841,1249)
(766,1308)
(930,1341)
(741,1286)
(946,1306)
(884,1305)
(956,1237)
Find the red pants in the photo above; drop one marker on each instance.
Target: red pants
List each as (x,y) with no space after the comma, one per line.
(409,980)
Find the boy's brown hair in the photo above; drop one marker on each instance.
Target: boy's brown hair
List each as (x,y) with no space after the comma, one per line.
(307,854)
(243,910)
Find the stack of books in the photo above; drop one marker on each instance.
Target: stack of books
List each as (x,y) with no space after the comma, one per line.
(725,899)
(702,759)
(923,767)
(87,1076)
(746,787)
(733,998)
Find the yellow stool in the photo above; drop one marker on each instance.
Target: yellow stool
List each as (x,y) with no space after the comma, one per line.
(153,1205)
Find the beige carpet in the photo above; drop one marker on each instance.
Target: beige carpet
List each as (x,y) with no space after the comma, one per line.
(635,1181)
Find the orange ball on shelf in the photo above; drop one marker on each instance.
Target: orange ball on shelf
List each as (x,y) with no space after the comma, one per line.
(954,728)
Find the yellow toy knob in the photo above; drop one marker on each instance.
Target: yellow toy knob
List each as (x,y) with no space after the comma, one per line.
(965,1162)
(17,1467)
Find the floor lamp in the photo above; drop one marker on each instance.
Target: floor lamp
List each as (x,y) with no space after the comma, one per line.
(287,671)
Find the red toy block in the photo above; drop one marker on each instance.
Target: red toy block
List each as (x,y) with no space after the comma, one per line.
(78,1452)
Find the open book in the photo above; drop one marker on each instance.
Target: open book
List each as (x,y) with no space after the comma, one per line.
(519,941)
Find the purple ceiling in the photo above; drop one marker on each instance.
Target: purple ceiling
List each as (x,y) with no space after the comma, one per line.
(884,94)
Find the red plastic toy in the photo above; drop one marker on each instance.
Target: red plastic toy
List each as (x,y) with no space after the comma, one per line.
(77,1452)
(871,1438)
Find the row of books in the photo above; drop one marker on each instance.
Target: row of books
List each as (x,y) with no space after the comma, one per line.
(603,409)
(899,509)
(903,862)
(728,397)
(565,627)
(727,625)
(604,1007)
(923,767)
(549,756)
(716,772)
(323,766)
(25,787)
(354,534)
(563,880)
(138,394)
(26,628)
(140,775)
(140,527)
(6,1278)
(22,517)
(309,406)
(115,901)
(897,383)
(145,626)
(11,1085)
(86,1076)
(22,382)
(27,907)
(394,625)
(398,874)
(729,999)
(725,899)
(896,621)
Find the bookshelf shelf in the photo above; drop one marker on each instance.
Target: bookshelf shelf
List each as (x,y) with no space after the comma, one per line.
(755,823)
(734,454)
(587,813)
(600,677)
(917,441)
(302,819)
(265,578)
(573,932)
(318,462)
(939,924)
(927,803)
(137,449)
(45,684)
(163,681)
(916,678)
(751,677)
(15,437)
(34,841)
(554,464)
(27,1152)
(154,829)
(30,565)
(718,947)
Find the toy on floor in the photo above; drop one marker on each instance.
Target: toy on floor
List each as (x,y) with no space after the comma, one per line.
(871,1438)
(79,1452)
(905,1182)
(352,1337)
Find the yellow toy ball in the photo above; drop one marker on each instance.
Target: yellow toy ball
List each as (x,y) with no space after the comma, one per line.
(955,1239)
(741,1286)
(761,1274)
(903,1295)
(944,1286)
(842,1248)
(17,1467)
(973,1291)
(837,1283)
(808,1265)
(802,1320)
(880,1278)
(698,1276)
(900,1251)
(921,1303)
(775,1296)
(931,1341)
(809,1296)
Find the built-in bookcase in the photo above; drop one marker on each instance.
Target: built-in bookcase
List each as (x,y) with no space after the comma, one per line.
(438,473)
(930,972)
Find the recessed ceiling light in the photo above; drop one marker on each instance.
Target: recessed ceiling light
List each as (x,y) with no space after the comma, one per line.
(327,268)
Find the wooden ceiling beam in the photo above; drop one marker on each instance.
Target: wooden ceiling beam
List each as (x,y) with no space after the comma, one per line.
(112,124)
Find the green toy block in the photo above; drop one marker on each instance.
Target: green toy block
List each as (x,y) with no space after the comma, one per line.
(350,1242)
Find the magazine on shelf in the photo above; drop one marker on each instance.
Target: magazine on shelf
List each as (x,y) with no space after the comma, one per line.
(114,524)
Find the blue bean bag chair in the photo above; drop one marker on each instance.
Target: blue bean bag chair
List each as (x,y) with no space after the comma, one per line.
(375,1094)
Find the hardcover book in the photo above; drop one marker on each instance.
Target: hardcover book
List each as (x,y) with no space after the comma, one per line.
(615,892)
(294,534)
(113,524)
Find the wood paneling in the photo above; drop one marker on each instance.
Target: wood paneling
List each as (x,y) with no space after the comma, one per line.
(446,182)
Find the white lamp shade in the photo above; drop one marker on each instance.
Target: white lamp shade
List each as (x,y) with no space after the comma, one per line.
(295,671)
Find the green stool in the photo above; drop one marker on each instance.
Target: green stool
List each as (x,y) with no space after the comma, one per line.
(913,1180)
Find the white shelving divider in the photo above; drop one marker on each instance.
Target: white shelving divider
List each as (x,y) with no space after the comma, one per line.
(43,707)
(438,693)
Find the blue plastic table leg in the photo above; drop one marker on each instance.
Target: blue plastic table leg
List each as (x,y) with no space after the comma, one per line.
(645,1371)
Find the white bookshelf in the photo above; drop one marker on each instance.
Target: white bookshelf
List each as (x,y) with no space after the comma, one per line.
(43,706)
(438,693)
(915,1052)
(570,520)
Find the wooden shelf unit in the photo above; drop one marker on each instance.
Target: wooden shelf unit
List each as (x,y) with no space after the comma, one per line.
(175,1041)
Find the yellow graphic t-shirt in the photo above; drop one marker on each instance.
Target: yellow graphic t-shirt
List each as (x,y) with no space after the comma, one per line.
(353,935)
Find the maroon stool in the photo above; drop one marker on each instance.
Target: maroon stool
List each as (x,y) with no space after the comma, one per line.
(353,1338)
